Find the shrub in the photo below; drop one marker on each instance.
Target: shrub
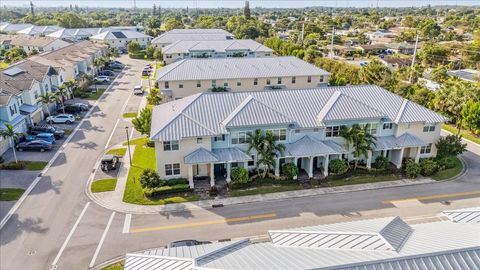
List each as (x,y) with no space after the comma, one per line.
(176,181)
(412,169)
(150,143)
(446,163)
(213,192)
(2,160)
(137,55)
(337,166)
(450,145)
(290,170)
(149,192)
(239,175)
(13,166)
(429,166)
(149,179)
(381,162)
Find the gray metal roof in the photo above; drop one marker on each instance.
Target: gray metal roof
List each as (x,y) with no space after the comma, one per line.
(309,146)
(392,142)
(340,109)
(427,246)
(201,115)
(467,215)
(192,34)
(220,46)
(237,68)
(202,155)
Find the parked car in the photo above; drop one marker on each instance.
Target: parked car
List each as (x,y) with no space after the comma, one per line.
(34,146)
(122,51)
(58,133)
(61,119)
(106,72)
(115,65)
(363,64)
(145,73)
(138,90)
(102,79)
(148,66)
(70,108)
(85,107)
(109,162)
(46,137)
(186,243)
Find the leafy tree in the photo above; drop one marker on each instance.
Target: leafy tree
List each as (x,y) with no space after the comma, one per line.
(143,122)
(429,29)
(152,25)
(471,55)
(150,51)
(450,145)
(47,99)
(157,54)
(407,35)
(246,10)
(311,54)
(70,20)
(99,62)
(154,97)
(346,71)
(15,54)
(471,116)
(150,179)
(173,23)
(433,54)
(8,133)
(133,47)
(428,166)
(420,94)
(439,74)
(412,169)
(375,73)
(337,80)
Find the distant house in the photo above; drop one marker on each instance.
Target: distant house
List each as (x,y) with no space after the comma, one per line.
(121,38)
(79,34)
(32,43)
(191,76)
(372,48)
(13,27)
(175,35)
(35,30)
(468,75)
(372,36)
(214,49)
(402,47)
(396,63)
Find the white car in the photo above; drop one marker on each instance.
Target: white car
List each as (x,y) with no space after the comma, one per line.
(138,90)
(61,119)
(102,79)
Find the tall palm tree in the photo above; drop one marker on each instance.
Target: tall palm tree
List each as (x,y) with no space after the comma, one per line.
(267,146)
(9,134)
(99,62)
(47,99)
(70,85)
(360,139)
(62,94)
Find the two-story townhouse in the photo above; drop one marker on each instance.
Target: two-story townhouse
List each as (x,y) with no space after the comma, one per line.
(214,49)
(32,43)
(175,35)
(205,135)
(191,76)
(39,30)
(120,38)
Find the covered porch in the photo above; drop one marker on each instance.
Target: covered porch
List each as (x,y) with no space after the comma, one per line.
(396,149)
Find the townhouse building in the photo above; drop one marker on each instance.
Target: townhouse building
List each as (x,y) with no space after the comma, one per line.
(190,76)
(203,136)
(13,27)
(32,44)
(214,49)
(175,35)
(39,30)
(120,38)
(21,85)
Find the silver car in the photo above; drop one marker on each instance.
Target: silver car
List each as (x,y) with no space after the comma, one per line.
(61,119)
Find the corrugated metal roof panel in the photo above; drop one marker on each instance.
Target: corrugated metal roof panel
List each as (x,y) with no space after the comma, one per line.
(308,146)
(467,215)
(199,156)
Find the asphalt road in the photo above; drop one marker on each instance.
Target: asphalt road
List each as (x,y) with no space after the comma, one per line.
(58,227)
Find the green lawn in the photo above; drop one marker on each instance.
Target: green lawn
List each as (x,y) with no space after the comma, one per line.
(364,179)
(465,133)
(117,152)
(116,266)
(130,115)
(449,173)
(95,95)
(10,194)
(3,65)
(34,165)
(143,158)
(104,185)
(138,141)
(264,190)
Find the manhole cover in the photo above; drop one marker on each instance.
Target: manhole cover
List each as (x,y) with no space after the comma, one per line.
(31,252)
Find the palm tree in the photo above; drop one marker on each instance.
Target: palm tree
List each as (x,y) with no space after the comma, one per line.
(9,134)
(47,99)
(267,146)
(69,85)
(62,93)
(359,138)
(99,62)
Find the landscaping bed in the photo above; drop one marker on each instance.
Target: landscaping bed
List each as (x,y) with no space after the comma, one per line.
(24,165)
(10,194)
(103,185)
(129,115)
(117,152)
(450,172)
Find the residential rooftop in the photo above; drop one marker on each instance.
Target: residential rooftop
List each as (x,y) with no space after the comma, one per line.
(26,40)
(192,34)
(237,68)
(112,34)
(39,30)
(215,46)
(200,115)
(385,243)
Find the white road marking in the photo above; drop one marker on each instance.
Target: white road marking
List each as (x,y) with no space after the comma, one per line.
(131,132)
(126,103)
(102,240)
(111,134)
(70,235)
(126,224)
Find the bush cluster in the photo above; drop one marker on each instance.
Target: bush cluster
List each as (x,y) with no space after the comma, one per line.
(12,166)
(290,170)
(239,175)
(149,179)
(381,162)
(429,166)
(149,192)
(338,166)
(412,169)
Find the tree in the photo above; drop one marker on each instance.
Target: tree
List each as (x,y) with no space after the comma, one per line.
(133,47)
(15,54)
(359,138)
(246,10)
(47,99)
(143,122)
(429,29)
(150,51)
(267,146)
(471,116)
(450,145)
(311,54)
(62,94)
(439,74)
(154,97)
(70,20)
(173,23)
(433,54)
(375,73)
(70,86)
(9,134)
(337,80)
(150,179)
(99,62)
(157,54)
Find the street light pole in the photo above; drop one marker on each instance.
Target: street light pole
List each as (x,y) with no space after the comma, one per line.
(128,145)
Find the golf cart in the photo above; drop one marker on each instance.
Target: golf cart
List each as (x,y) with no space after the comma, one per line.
(109,162)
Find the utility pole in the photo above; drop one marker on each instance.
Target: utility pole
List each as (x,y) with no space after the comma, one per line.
(32,9)
(413,59)
(331,43)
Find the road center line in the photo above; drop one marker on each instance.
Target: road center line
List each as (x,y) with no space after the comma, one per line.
(438,196)
(102,239)
(204,223)
(111,134)
(55,261)
(126,224)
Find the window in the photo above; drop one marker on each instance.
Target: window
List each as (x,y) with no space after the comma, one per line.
(429,128)
(309,79)
(239,83)
(279,80)
(172,169)
(332,131)
(387,125)
(255,81)
(170,145)
(180,85)
(279,134)
(294,79)
(12,110)
(251,162)
(214,83)
(199,84)
(220,138)
(321,78)
(199,140)
(225,84)
(268,81)
(371,128)
(167,85)
(426,149)
(240,137)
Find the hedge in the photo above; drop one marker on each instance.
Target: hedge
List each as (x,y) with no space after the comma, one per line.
(261,181)
(359,171)
(137,55)
(166,190)
(13,166)
(176,181)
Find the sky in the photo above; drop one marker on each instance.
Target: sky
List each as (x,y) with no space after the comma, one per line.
(237,3)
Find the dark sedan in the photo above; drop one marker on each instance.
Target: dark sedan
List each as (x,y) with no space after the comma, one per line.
(58,133)
(38,145)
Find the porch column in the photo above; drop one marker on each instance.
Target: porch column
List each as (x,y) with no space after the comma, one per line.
(325,165)
(369,159)
(212,174)
(229,168)
(277,167)
(190,175)
(295,160)
(310,167)
(417,156)
(400,158)
(384,153)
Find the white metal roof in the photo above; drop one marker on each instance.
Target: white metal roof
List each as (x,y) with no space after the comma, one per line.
(404,140)
(467,215)
(192,34)
(237,68)
(308,146)
(220,46)
(201,115)
(114,34)
(202,155)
